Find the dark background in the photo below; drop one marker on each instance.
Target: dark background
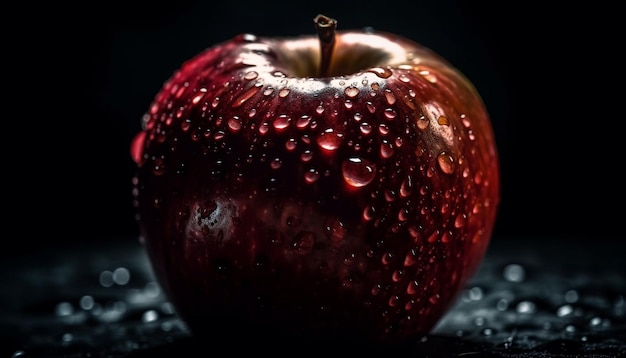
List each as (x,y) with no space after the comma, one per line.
(78,78)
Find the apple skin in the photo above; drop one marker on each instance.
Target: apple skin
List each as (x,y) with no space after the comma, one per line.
(351,207)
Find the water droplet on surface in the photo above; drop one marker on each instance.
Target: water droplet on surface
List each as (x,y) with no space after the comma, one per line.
(351,92)
(234,124)
(514,273)
(136,148)
(358,172)
(335,230)
(303,242)
(303,121)
(311,176)
(390,113)
(251,75)
(281,122)
(246,95)
(526,307)
(329,139)
(284,92)
(381,72)
(446,162)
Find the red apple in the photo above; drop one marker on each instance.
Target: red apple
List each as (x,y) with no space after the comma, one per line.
(333,188)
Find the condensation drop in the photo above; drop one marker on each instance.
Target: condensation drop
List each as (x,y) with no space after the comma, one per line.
(390,97)
(351,92)
(234,124)
(136,148)
(281,122)
(446,162)
(311,176)
(304,242)
(358,172)
(381,72)
(251,75)
(303,121)
(283,92)
(386,150)
(329,139)
(245,96)
(422,122)
(390,113)
(442,120)
(365,128)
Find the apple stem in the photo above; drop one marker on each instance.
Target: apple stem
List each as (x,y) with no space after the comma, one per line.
(325,27)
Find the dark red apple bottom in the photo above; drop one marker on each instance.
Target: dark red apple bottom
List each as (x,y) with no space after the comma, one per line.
(349,210)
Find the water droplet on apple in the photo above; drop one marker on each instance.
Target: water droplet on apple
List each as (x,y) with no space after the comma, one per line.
(351,91)
(386,150)
(319,109)
(136,148)
(158,167)
(306,156)
(383,129)
(381,72)
(329,139)
(251,75)
(335,229)
(370,107)
(276,163)
(303,242)
(390,97)
(446,162)
(404,78)
(390,113)
(365,128)
(311,176)
(281,122)
(234,124)
(358,172)
(443,120)
(460,220)
(246,95)
(422,122)
(303,121)
(284,92)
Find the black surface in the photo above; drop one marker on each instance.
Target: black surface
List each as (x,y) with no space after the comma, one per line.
(562,299)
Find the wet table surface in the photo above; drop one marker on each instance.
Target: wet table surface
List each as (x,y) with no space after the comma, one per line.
(529,298)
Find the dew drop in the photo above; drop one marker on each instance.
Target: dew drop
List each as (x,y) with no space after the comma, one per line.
(276,163)
(304,242)
(390,97)
(365,128)
(442,120)
(136,148)
(460,220)
(268,91)
(370,107)
(251,75)
(329,139)
(284,92)
(514,273)
(358,172)
(303,121)
(386,150)
(319,109)
(291,144)
(422,122)
(311,176)
(306,156)
(335,230)
(234,124)
(241,99)
(381,72)
(281,122)
(357,116)
(390,113)
(351,91)
(406,187)
(446,162)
